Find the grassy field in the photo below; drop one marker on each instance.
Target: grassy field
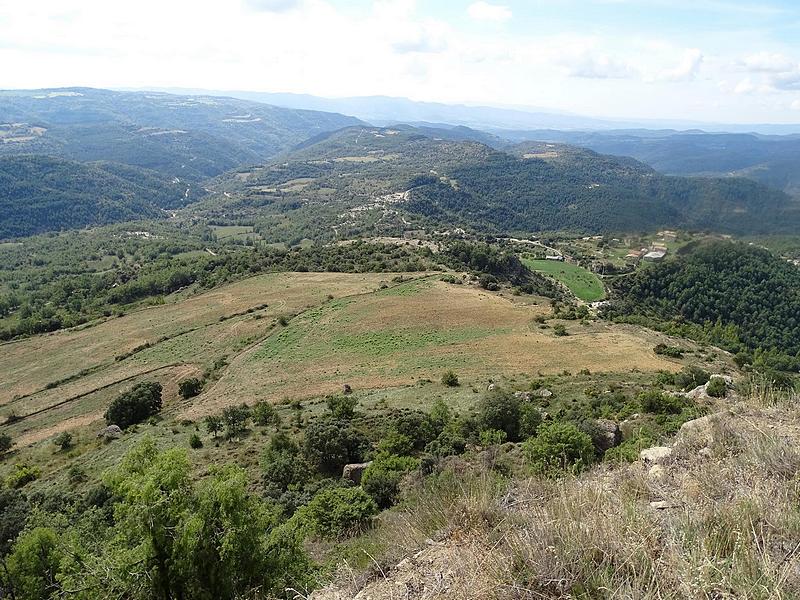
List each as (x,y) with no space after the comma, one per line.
(584,284)
(412,333)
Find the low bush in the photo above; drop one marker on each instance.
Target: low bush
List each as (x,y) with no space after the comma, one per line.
(559,448)
(339,511)
(381,480)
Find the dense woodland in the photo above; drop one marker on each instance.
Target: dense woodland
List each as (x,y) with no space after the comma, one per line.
(733,295)
(40,194)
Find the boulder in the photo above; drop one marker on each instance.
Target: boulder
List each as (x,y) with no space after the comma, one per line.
(542,393)
(346,389)
(112,432)
(354,471)
(491,387)
(610,434)
(657,472)
(523,396)
(656,454)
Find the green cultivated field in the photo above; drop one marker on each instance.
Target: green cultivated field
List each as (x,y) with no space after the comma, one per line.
(584,284)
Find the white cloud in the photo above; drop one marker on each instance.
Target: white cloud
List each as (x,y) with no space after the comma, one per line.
(796,105)
(687,69)
(484,11)
(598,66)
(766,62)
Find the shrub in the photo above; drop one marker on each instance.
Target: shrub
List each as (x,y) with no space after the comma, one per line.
(671,351)
(22,475)
(395,442)
(492,437)
(265,414)
(657,402)
(76,474)
(189,388)
(5,443)
(381,480)
(450,379)
(560,330)
(500,410)
(691,377)
(135,406)
(339,511)
(417,426)
(63,440)
(529,420)
(717,388)
(195,442)
(559,448)
(342,407)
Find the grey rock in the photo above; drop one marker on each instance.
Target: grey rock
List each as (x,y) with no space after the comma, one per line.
(112,432)
(354,471)
(656,454)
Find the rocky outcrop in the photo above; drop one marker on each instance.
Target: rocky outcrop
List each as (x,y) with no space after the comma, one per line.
(112,432)
(610,434)
(656,454)
(355,471)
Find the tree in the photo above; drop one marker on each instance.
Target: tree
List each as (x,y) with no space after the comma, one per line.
(63,440)
(191,387)
(213,424)
(500,410)
(235,419)
(329,445)
(136,405)
(559,448)
(282,464)
(34,563)
(342,407)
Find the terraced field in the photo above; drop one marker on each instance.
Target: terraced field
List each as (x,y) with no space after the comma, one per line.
(167,343)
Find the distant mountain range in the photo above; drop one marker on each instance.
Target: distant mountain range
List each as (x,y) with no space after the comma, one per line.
(190,137)
(386,110)
(76,157)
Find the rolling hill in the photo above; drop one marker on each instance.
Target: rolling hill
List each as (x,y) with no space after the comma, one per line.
(191,137)
(771,160)
(388,180)
(40,193)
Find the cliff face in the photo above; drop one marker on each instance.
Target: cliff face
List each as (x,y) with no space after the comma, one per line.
(714,514)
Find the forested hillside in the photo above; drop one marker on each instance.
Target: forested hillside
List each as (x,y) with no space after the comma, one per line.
(343,182)
(737,296)
(771,160)
(39,193)
(191,137)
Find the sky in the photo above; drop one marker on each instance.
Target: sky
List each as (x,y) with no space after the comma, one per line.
(702,60)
